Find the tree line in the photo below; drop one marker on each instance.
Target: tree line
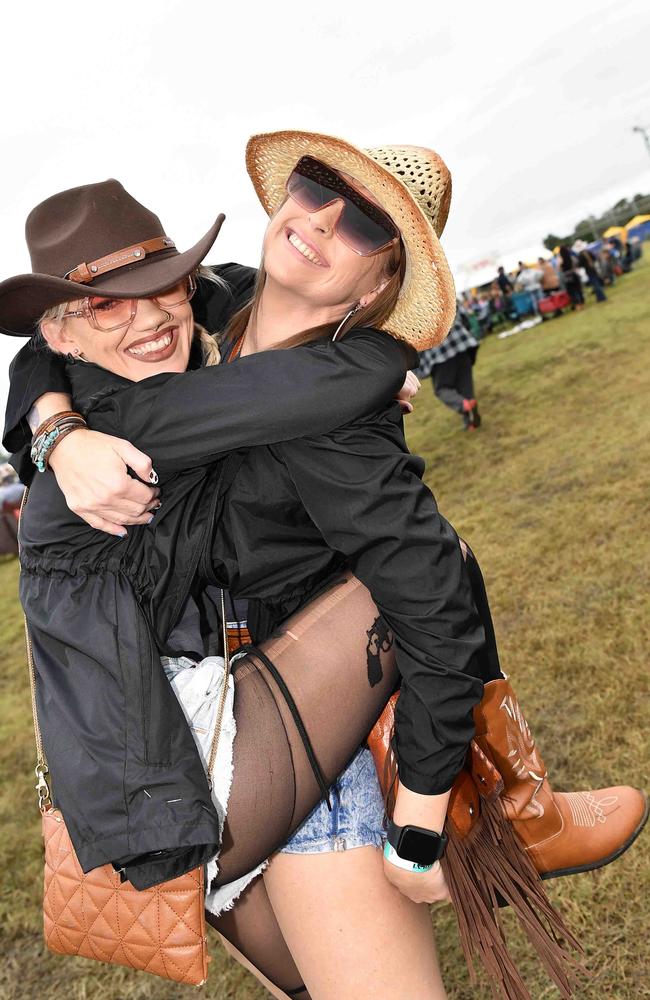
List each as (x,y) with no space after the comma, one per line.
(593,227)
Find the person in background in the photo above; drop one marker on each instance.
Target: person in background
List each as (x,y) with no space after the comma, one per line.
(628,257)
(588,262)
(483,313)
(616,245)
(530,280)
(504,282)
(450,366)
(11,495)
(571,278)
(550,281)
(606,262)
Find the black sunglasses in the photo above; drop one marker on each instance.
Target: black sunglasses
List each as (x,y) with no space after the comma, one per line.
(363,226)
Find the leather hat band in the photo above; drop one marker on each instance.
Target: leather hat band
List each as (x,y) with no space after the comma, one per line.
(85,273)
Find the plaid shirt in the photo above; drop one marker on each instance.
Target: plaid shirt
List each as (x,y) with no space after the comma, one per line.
(458,339)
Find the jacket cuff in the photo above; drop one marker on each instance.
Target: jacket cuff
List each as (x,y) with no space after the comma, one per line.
(426,784)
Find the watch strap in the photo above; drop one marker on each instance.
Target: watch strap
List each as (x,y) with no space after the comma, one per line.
(393,857)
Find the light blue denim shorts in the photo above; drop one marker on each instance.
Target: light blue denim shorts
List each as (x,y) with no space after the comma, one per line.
(357,815)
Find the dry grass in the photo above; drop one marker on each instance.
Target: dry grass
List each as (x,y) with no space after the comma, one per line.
(552,493)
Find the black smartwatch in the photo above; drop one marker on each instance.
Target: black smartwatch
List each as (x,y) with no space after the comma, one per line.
(414,843)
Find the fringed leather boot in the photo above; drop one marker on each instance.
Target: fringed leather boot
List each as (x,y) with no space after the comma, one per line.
(563,832)
(507,830)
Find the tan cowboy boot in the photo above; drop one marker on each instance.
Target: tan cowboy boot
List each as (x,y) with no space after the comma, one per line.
(565,832)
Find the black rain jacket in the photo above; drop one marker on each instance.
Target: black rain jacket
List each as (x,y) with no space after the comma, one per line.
(352,495)
(125,770)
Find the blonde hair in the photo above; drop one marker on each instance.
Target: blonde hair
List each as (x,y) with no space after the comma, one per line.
(376,314)
(209,346)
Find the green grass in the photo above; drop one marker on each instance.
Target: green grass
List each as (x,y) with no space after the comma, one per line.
(552,494)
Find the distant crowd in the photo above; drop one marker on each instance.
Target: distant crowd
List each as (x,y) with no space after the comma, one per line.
(560,279)
(539,290)
(11,495)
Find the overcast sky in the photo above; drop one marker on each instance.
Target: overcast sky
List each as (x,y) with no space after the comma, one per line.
(531,106)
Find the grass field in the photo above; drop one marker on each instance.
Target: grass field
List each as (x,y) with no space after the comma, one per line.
(552,494)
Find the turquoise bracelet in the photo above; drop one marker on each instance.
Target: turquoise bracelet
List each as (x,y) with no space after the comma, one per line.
(44,444)
(41,448)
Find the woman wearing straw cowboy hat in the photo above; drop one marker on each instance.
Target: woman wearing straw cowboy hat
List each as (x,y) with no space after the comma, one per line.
(374,485)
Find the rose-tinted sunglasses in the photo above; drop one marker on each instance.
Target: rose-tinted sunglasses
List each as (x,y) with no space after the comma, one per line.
(364,227)
(112,314)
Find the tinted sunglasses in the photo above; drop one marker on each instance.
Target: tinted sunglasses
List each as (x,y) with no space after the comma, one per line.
(112,314)
(364,227)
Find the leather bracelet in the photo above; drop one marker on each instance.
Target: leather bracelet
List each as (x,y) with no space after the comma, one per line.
(50,422)
(44,443)
(62,434)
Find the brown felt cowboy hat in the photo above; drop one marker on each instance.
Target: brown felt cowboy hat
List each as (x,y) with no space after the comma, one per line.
(94,240)
(411,183)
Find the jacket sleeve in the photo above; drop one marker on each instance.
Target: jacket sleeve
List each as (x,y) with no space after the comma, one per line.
(186,419)
(33,372)
(364,493)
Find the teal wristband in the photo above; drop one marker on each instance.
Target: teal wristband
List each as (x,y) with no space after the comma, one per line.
(393,857)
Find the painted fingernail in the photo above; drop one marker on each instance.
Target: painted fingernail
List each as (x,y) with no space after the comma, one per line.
(157,505)
(151,519)
(153,478)
(123,534)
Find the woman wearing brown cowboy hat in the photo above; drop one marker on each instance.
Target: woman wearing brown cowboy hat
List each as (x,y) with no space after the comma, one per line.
(305,233)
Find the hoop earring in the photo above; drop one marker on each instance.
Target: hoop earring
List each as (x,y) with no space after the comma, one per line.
(346,318)
(76,355)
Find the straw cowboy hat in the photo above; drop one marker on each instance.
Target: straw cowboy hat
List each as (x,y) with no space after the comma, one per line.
(411,183)
(94,240)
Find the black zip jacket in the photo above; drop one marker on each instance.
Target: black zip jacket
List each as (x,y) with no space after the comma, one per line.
(294,512)
(126,773)
(353,495)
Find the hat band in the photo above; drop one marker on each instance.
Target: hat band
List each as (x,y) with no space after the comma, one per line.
(85,273)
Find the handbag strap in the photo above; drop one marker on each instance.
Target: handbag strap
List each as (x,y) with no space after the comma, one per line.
(42,771)
(224,693)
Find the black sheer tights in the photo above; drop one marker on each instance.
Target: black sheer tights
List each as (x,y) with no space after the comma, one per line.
(313,679)
(322,656)
(252,929)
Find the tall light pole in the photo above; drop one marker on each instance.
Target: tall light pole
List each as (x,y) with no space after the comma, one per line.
(645,133)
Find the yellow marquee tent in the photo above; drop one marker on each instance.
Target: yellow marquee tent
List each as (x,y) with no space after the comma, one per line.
(637,221)
(614,231)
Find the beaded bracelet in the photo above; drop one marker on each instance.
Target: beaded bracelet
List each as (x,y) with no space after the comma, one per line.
(50,434)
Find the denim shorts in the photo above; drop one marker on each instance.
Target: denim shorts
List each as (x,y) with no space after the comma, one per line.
(356,818)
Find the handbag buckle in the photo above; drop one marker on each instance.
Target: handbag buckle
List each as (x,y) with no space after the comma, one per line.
(43,789)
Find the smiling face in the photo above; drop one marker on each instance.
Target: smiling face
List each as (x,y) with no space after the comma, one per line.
(303,255)
(157,340)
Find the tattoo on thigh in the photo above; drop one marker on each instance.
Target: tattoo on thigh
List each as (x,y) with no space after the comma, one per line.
(380,640)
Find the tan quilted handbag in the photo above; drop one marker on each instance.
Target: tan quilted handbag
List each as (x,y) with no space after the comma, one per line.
(159,930)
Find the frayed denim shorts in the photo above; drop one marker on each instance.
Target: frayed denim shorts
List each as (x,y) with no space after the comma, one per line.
(356,818)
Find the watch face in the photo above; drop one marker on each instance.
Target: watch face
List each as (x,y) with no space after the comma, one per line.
(418,846)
